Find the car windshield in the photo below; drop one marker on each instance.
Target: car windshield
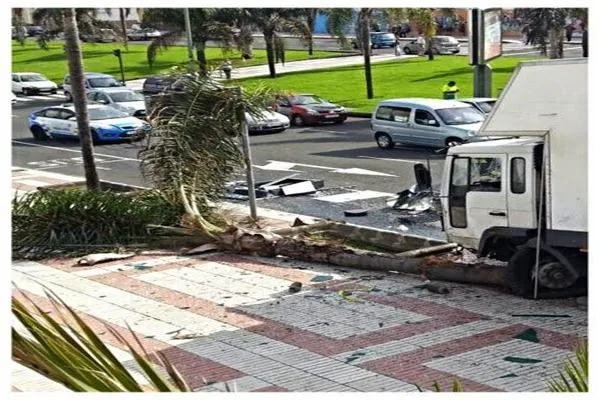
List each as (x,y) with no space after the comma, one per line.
(104,82)
(460,116)
(486,106)
(97,114)
(122,97)
(307,99)
(33,78)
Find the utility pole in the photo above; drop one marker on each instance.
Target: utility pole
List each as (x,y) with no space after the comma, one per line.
(188,35)
(247,159)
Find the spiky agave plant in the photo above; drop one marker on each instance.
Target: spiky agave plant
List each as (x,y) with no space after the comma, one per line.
(574,375)
(194,148)
(66,350)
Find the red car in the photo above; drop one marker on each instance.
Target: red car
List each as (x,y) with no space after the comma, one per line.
(309,109)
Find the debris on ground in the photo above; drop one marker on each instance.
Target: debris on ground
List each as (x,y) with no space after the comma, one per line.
(346,295)
(202,249)
(433,287)
(93,259)
(287,186)
(355,213)
(295,287)
(529,334)
(355,356)
(184,336)
(403,228)
(139,266)
(509,376)
(321,278)
(522,360)
(582,303)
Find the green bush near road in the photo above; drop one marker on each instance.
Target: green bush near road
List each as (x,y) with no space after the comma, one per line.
(99,57)
(413,77)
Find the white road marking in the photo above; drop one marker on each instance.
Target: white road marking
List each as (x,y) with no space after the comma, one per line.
(352,196)
(277,166)
(391,159)
(31,182)
(75,151)
(305,165)
(360,171)
(57,165)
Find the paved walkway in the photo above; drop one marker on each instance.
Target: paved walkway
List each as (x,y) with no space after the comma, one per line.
(223,318)
(295,66)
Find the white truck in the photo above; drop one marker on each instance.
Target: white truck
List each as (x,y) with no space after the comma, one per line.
(521,197)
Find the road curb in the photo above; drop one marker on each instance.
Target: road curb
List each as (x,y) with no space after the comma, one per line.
(356,114)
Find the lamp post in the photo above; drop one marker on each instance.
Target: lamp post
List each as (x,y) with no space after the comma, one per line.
(117,53)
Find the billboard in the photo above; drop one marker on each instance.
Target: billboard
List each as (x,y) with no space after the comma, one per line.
(485,35)
(492,34)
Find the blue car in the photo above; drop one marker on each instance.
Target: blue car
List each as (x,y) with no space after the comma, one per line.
(379,40)
(106,123)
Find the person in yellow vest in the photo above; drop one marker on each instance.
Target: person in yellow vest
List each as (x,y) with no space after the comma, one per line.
(450,90)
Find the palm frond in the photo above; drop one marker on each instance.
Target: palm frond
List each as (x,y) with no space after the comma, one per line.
(575,374)
(160,43)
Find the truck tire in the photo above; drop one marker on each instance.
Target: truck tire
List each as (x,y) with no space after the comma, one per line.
(520,279)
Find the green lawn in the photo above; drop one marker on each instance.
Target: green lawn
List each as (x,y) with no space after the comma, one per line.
(415,77)
(99,58)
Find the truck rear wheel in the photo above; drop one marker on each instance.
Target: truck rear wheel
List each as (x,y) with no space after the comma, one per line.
(554,278)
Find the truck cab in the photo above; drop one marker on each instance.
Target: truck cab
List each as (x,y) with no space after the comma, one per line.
(491,184)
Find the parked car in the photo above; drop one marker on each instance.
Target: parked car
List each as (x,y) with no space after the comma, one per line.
(23,30)
(378,39)
(32,83)
(122,99)
(143,34)
(426,122)
(441,45)
(309,109)
(100,36)
(106,123)
(157,84)
(270,122)
(93,81)
(483,104)
(35,30)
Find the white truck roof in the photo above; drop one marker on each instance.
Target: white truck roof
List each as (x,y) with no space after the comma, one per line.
(551,97)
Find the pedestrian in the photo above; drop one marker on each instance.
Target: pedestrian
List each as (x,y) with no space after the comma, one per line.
(450,90)
(569,32)
(227,68)
(397,51)
(421,44)
(279,50)
(584,40)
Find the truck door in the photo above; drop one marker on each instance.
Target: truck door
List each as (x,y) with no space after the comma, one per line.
(476,197)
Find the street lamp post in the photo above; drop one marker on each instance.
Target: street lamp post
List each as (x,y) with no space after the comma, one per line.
(117,53)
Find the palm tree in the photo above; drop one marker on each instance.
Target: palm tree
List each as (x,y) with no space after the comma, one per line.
(79,98)
(545,26)
(305,24)
(123,14)
(18,25)
(424,19)
(204,28)
(365,19)
(52,20)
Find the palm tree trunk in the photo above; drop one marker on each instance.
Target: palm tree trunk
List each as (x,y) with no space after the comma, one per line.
(311,27)
(555,39)
(201,54)
(79,98)
(366,46)
(429,41)
(269,41)
(123,27)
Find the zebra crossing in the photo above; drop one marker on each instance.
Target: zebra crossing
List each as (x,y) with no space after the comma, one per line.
(40,97)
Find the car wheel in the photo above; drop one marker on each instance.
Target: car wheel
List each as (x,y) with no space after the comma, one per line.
(451,142)
(38,133)
(68,97)
(407,50)
(375,46)
(298,120)
(384,141)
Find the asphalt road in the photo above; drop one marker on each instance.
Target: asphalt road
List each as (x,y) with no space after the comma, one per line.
(344,156)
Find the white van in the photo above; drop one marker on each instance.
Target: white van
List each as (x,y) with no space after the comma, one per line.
(426,122)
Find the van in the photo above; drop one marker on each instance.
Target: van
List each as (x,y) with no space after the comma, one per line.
(424,122)
(92,81)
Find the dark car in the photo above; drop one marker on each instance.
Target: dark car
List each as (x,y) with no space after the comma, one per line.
(378,40)
(309,109)
(35,30)
(157,84)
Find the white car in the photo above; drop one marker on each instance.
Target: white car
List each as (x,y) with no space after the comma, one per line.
(269,122)
(122,99)
(32,83)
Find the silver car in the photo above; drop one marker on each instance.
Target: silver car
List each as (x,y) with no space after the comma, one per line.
(122,99)
(483,104)
(441,45)
(425,122)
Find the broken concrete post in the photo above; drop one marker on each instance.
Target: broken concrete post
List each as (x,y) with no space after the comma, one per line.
(442,248)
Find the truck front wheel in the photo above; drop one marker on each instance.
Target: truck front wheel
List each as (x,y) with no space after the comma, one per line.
(554,278)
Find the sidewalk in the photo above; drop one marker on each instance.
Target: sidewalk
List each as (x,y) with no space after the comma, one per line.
(295,66)
(245,329)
